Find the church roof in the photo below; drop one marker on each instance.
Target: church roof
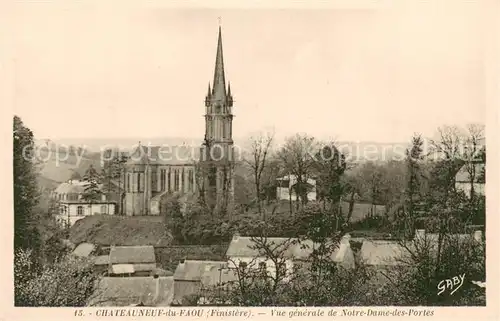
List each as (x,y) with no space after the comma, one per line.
(219,84)
(164,155)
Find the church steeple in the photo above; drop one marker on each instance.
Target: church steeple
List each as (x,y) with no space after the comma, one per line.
(219,84)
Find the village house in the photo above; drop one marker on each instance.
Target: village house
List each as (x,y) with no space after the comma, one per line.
(154,291)
(188,277)
(72,205)
(242,253)
(132,260)
(287,186)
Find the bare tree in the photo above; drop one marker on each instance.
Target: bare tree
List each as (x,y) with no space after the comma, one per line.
(260,148)
(297,156)
(471,153)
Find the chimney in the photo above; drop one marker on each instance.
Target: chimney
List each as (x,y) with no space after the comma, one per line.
(419,235)
(345,239)
(103,197)
(208,267)
(236,236)
(182,261)
(157,286)
(478,236)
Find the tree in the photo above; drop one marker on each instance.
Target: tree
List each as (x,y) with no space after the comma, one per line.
(330,165)
(413,159)
(92,190)
(26,235)
(70,282)
(297,158)
(473,154)
(260,146)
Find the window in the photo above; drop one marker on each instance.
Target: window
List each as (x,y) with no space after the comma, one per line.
(128,182)
(262,266)
(61,210)
(104,209)
(190,180)
(140,182)
(168,178)
(176,179)
(162,179)
(243,265)
(182,179)
(154,181)
(79,210)
(212,176)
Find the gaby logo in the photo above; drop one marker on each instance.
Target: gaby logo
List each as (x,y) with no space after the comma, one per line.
(452,284)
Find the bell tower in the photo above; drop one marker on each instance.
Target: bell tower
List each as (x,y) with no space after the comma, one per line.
(217,157)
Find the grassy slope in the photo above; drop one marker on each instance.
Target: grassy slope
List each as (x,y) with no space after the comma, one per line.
(120,230)
(142,230)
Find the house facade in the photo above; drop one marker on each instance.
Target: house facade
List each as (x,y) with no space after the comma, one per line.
(72,206)
(286,185)
(242,253)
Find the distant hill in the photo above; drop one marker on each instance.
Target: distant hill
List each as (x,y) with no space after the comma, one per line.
(357,151)
(57,167)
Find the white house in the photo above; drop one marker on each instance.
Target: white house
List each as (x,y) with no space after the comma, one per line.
(72,206)
(242,252)
(286,186)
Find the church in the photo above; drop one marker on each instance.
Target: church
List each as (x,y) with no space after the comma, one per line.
(153,172)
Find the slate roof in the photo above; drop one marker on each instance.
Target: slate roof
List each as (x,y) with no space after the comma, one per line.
(383,252)
(164,155)
(213,276)
(192,270)
(132,254)
(101,260)
(84,249)
(241,246)
(123,291)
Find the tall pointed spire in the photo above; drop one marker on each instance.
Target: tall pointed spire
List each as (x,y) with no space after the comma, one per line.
(219,84)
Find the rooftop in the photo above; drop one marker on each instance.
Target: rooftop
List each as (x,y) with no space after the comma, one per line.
(132,254)
(124,291)
(191,270)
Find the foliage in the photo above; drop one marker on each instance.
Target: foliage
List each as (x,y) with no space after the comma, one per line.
(92,190)
(69,282)
(26,235)
(416,283)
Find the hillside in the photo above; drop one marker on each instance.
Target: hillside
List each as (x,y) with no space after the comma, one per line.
(56,167)
(120,230)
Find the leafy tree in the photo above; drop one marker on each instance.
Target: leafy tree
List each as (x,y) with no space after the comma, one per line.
(413,159)
(92,190)
(70,282)
(26,235)
(330,165)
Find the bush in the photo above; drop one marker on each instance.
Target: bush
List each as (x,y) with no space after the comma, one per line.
(70,282)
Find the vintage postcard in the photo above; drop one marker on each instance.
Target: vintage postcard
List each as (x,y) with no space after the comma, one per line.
(249,160)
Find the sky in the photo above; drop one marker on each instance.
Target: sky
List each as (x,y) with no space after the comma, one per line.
(84,70)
